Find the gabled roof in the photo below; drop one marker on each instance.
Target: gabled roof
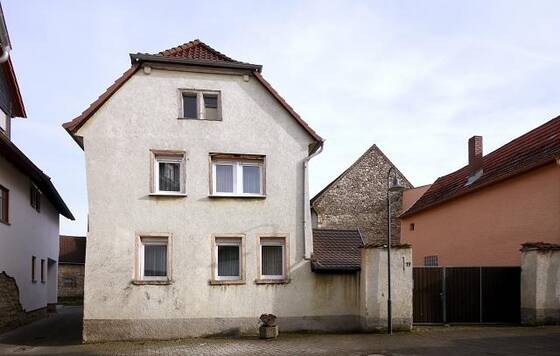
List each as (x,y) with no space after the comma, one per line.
(336,250)
(195,53)
(373,148)
(534,149)
(12,154)
(17,109)
(198,50)
(72,249)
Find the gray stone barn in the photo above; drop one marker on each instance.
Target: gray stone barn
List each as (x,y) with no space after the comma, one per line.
(357,199)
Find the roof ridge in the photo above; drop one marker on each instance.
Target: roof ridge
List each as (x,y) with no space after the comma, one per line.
(358,160)
(175,51)
(528,151)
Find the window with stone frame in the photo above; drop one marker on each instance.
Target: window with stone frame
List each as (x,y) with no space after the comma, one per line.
(228,259)
(168,172)
(201,104)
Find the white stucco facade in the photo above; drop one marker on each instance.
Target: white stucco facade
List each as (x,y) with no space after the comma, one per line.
(142,116)
(29,233)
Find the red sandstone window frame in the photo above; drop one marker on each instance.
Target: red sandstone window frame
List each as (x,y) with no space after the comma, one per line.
(228,240)
(273,240)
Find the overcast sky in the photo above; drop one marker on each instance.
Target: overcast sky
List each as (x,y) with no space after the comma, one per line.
(418,78)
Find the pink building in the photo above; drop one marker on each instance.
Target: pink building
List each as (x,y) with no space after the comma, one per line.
(480,214)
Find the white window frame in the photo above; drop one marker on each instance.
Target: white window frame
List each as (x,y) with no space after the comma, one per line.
(200,107)
(158,240)
(228,241)
(238,177)
(273,241)
(163,156)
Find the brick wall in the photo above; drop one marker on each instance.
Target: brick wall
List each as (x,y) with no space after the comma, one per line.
(11,312)
(358,199)
(70,280)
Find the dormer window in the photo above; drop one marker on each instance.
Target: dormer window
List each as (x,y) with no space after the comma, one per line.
(201,105)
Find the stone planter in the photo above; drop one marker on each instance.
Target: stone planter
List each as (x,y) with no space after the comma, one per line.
(268,332)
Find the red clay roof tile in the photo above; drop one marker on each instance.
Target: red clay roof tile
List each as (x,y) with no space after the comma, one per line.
(529,151)
(336,250)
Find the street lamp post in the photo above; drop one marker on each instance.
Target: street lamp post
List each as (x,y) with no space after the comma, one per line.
(393,186)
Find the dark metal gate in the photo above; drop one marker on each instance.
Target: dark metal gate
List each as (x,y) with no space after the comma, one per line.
(466,294)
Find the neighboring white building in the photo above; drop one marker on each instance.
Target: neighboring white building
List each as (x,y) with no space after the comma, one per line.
(29,215)
(199,217)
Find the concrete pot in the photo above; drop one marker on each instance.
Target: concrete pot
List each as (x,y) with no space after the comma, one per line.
(268,332)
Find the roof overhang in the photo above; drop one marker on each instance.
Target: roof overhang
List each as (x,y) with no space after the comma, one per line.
(140,57)
(19,160)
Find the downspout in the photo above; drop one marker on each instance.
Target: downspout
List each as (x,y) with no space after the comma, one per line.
(5,54)
(307,228)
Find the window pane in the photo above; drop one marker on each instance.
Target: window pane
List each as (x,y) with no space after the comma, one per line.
(228,261)
(211,101)
(170,176)
(155,260)
(189,106)
(224,178)
(272,260)
(251,179)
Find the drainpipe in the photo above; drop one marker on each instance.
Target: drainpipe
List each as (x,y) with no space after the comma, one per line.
(307,228)
(5,54)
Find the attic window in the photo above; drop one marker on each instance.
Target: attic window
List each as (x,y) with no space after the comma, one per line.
(201,105)
(412,226)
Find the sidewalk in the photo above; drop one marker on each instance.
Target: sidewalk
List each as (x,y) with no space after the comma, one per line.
(60,335)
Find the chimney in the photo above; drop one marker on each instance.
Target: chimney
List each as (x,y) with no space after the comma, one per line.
(475,154)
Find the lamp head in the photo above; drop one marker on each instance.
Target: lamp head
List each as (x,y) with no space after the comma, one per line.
(395,185)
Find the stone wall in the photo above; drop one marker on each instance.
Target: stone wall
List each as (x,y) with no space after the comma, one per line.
(358,199)
(540,284)
(70,280)
(11,312)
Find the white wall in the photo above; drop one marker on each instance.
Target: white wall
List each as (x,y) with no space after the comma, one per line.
(141,116)
(29,234)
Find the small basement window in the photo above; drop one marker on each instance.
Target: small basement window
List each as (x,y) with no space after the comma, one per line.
(201,105)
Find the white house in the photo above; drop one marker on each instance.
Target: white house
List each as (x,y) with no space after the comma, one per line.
(199,217)
(29,215)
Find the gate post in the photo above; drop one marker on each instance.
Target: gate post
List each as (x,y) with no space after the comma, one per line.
(373,281)
(540,282)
